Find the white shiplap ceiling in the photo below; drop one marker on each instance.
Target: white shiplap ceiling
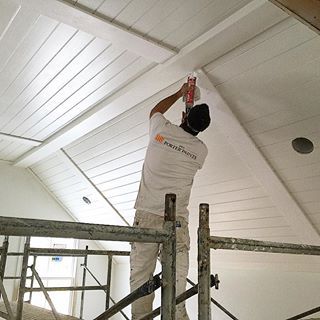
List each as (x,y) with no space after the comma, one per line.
(83,76)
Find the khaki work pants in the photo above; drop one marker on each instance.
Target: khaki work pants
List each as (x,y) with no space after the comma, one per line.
(143,260)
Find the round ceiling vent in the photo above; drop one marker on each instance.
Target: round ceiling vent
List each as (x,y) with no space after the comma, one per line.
(302,145)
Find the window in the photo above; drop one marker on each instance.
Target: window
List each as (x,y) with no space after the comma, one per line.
(54,271)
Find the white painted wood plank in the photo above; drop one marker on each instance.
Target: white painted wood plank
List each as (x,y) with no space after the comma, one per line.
(37,35)
(101,28)
(133,11)
(50,162)
(134,68)
(225,186)
(122,190)
(48,51)
(118,173)
(111,8)
(248,204)
(155,17)
(116,153)
(307,196)
(116,163)
(119,182)
(92,5)
(123,199)
(210,15)
(304,184)
(269,223)
(298,129)
(176,18)
(64,85)
(216,198)
(272,47)
(300,172)
(14,35)
(245,215)
(287,71)
(52,70)
(109,140)
(19,150)
(263,233)
(9,11)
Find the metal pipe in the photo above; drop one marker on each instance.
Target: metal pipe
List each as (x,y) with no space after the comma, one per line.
(93,276)
(32,278)
(69,252)
(54,311)
(3,260)
(76,252)
(204,263)
(84,274)
(72,288)
(108,282)
(6,301)
(77,230)
(147,288)
(304,314)
(23,279)
(216,303)
(168,261)
(262,246)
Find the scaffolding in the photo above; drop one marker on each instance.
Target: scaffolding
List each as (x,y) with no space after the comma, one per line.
(165,281)
(207,242)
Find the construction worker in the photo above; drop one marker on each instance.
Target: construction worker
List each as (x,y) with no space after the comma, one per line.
(173,157)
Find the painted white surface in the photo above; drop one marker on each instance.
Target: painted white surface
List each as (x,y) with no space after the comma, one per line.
(249,294)
(21,195)
(262,294)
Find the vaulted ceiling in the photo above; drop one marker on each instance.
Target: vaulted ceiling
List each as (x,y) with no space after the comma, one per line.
(78,79)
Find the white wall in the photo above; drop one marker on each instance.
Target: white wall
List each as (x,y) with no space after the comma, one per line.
(262,294)
(22,195)
(250,294)
(94,301)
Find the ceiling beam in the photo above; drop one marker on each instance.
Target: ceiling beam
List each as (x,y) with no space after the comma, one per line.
(91,186)
(241,26)
(242,143)
(100,28)
(306,11)
(22,140)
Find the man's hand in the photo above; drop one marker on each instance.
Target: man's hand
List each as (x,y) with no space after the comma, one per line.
(183,90)
(166,103)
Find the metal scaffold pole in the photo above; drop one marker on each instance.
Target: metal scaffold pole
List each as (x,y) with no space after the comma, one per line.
(204,312)
(168,289)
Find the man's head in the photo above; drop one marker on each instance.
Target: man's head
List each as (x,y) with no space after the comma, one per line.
(197,120)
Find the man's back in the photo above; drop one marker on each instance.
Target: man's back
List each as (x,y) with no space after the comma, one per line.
(172,160)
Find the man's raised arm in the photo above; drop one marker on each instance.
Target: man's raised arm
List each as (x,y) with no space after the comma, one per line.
(166,103)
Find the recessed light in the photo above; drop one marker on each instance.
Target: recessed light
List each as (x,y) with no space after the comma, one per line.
(86,200)
(302,145)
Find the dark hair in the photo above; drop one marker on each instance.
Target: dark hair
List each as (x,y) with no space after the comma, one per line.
(199,118)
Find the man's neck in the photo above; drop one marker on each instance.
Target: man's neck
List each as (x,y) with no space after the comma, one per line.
(187,129)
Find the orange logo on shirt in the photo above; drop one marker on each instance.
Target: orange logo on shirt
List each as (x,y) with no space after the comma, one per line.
(159,138)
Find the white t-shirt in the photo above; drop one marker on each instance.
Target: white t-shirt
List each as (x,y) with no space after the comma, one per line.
(173,157)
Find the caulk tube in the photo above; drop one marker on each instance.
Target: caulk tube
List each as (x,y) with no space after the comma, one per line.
(189,98)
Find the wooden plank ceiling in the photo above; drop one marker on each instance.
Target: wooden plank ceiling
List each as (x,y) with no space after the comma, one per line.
(263,63)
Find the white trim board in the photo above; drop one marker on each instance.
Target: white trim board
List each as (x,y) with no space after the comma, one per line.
(100,28)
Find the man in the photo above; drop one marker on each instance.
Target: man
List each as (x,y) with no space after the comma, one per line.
(173,157)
